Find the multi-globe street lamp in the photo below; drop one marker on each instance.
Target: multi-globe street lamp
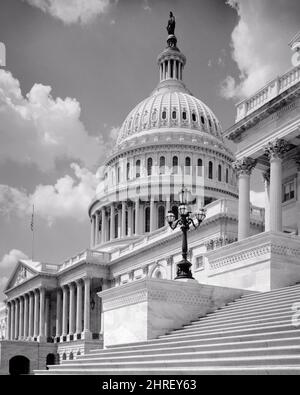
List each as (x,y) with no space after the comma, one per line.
(186,220)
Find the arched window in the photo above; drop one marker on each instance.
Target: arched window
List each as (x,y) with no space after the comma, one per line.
(164,114)
(227,176)
(194,117)
(175,164)
(71,356)
(64,357)
(210,170)
(202,120)
(162,165)
(220,173)
(210,124)
(147,220)
(149,166)
(184,115)
(174,114)
(126,223)
(199,168)
(158,275)
(161,217)
(116,226)
(128,171)
(188,165)
(175,211)
(138,169)
(133,222)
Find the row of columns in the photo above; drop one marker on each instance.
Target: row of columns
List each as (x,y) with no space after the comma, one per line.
(273,189)
(26,316)
(165,70)
(29,314)
(107,231)
(73,311)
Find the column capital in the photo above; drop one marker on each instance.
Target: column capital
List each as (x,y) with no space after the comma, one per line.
(276,149)
(244,166)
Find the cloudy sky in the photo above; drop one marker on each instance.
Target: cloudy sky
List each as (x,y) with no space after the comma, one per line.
(74,70)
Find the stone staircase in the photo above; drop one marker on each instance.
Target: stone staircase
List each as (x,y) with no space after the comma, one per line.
(253,335)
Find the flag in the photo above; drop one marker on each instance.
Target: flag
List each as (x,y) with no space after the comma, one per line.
(32,220)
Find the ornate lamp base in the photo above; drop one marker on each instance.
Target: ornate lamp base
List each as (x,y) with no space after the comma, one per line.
(184,270)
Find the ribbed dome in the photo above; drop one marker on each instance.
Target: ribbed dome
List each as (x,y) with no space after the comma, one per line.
(170,109)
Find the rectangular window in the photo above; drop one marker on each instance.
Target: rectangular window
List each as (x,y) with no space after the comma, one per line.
(199,263)
(289,191)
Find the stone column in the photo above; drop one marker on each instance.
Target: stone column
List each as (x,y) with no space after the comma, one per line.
(58,313)
(152,215)
(103,226)
(119,223)
(72,310)
(130,221)
(168,208)
(8,331)
(12,324)
(42,336)
(297,160)
(123,226)
(31,316)
(79,308)
(244,169)
(137,216)
(21,319)
(65,313)
(87,290)
(105,285)
(275,152)
(112,222)
(47,317)
(266,177)
(26,316)
(97,228)
(164,71)
(92,231)
(17,316)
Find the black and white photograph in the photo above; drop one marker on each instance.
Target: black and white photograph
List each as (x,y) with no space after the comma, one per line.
(149,191)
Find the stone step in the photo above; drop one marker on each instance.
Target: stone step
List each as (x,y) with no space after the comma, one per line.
(225,322)
(266,297)
(224,329)
(214,370)
(198,362)
(196,340)
(194,348)
(237,317)
(221,353)
(251,306)
(279,291)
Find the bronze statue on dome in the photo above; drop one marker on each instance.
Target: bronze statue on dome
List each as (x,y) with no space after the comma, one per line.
(171,25)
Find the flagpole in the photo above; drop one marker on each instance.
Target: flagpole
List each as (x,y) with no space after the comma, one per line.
(32,229)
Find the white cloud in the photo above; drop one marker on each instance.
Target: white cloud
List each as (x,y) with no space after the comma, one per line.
(68,198)
(260,43)
(11,259)
(39,129)
(146,5)
(73,11)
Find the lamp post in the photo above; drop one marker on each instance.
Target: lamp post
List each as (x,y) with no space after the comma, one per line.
(185,221)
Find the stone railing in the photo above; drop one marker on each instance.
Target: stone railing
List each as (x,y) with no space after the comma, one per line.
(269,92)
(89,256)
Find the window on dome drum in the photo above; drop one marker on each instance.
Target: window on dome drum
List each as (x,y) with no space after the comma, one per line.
(149,166)
(118,174)
(184,115)
(175,165)
(162,165)
(138,169)
(147,220)
(126,223)
(203,120)
(199,169)
(187,165)
(116,226)
(220,173)
(194,117)
(164,115)
(227,176)
(174,114)
(210,124)
(210,170)
(161,217)
(289,191)
(133,222)
(128,171)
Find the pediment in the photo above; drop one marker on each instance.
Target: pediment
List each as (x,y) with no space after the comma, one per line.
(22,273)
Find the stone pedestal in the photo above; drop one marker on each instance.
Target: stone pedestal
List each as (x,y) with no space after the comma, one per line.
(148,308)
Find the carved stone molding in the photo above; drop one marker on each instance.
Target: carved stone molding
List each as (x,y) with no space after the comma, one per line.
(244,166)
(277,149)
